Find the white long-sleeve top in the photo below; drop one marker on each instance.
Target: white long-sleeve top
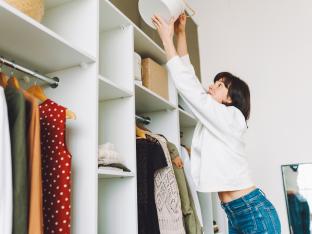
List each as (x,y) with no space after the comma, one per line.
(187,170)
(6,196)
(218,161)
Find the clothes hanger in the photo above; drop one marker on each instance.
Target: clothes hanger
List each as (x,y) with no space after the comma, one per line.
(70,115)
(3,78)
(13,81)
(141,130)
(38,92)
(142,127)
(187,149)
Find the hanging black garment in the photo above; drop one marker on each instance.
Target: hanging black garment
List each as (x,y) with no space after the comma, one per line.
(150,158)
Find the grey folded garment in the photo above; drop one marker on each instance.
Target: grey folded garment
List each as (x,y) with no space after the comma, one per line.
(116,165)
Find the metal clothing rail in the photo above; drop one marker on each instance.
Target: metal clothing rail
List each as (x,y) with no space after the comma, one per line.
(53,82)
(143,120)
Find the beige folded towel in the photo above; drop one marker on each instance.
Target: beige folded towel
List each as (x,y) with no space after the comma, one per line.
(108,155)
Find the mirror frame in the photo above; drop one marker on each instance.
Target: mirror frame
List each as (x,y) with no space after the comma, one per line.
(285,193)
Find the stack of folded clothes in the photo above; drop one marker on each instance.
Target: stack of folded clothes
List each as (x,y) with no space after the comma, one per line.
(109,158)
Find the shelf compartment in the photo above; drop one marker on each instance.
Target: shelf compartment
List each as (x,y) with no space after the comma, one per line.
(186,119)
(148,101)
(35,46)
(108,90)
(111,17)
(108,174)
(147,48)
(116,124)
(116,56)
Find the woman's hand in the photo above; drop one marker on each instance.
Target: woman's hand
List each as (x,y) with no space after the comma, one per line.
(166,31)
(178,162)
(179,25)
(179,28)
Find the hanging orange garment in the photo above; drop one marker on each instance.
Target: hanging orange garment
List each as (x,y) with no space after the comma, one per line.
(35,221)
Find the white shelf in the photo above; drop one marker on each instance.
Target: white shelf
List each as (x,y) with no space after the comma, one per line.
(186,119)
(54,3)
(111,17)
(109,90)
(107,174)
(148,101)
(35,46)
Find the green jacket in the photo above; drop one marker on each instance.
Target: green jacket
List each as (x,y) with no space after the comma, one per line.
(191,221)
(17,121)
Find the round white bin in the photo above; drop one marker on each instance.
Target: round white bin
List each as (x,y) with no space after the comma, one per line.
(165,8)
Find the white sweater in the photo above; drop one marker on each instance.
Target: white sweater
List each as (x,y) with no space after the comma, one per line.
(218,160)
(6,196)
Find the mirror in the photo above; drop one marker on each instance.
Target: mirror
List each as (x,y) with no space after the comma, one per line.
(298,194)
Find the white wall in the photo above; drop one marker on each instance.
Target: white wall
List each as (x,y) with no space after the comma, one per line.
(268,44)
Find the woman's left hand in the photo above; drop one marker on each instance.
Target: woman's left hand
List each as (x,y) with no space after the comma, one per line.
(178,162)
(165,30)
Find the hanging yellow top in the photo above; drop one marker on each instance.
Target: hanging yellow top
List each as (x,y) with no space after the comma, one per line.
(140,133)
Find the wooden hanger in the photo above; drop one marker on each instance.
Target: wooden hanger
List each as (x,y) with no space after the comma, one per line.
(70,115)
(142,127)
(3,79)
(38,92)
(13,82)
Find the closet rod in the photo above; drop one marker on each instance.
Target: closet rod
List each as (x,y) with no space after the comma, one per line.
(53,82)
(143,120)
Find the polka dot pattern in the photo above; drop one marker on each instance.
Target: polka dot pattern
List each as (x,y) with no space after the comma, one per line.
(56,168)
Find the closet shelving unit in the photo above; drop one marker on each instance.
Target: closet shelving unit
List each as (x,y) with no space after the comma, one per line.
(120,36)
(56,47)
(89,45)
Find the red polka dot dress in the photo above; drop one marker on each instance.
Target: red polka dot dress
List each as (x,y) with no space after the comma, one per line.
(56,168)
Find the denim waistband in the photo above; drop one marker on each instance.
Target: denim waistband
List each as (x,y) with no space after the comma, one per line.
(255,196)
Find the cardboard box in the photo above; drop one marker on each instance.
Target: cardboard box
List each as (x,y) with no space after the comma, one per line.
(155,77)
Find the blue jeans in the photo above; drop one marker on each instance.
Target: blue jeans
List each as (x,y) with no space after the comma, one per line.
(299,213)
(251,214)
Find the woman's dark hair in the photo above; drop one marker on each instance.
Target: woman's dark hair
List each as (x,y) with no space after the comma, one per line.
(238,92)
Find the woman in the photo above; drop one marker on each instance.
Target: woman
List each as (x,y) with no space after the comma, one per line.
(218,157)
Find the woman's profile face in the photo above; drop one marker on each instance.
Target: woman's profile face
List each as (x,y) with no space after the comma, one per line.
(219,92)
